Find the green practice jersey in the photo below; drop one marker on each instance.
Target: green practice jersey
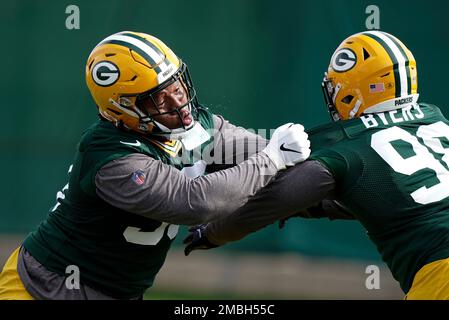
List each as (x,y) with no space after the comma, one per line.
(85,231)
(392,173)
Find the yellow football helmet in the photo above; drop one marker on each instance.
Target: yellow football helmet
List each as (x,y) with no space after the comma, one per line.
(128,67)
(370,72)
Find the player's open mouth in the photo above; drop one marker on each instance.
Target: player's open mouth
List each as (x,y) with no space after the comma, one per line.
(187,120)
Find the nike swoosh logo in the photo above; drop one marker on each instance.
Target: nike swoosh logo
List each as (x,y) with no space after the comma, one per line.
(287,149)
(135,144)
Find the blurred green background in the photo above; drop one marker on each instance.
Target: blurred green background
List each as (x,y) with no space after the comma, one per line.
(259,63)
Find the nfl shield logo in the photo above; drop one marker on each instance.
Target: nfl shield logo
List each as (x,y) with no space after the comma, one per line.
(138,177)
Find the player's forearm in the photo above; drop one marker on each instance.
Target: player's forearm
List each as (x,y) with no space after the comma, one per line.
(294,190)
(167,195)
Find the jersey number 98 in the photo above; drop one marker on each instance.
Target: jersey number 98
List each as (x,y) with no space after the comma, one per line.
(381,142)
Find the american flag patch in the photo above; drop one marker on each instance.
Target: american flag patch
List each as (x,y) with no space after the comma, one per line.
(138,177)
(376,87)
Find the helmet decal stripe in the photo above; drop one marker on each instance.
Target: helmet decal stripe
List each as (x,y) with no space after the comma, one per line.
(399,63)
(402,60)
(152,46)
(407,62)
(397,82)
(151,49)
(148,43)
(150,61)
(147,52)
(155,56)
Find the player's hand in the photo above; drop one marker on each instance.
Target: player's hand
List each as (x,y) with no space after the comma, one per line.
(197,240)
(289,145)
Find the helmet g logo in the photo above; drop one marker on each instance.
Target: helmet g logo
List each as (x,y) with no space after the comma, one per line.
(343,60)
(105,73)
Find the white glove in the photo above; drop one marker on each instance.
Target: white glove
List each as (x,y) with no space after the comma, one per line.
(289,145)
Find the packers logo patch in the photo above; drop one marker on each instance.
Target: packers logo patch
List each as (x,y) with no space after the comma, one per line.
(105,73)
(343,60)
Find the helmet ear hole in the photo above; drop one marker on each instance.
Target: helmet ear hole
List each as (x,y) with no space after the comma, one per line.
(347,99)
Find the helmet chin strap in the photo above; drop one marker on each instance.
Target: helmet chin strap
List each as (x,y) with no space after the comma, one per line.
(174,133)
(191,137)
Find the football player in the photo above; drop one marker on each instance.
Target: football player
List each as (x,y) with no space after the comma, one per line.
(383,161)
(132,181)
